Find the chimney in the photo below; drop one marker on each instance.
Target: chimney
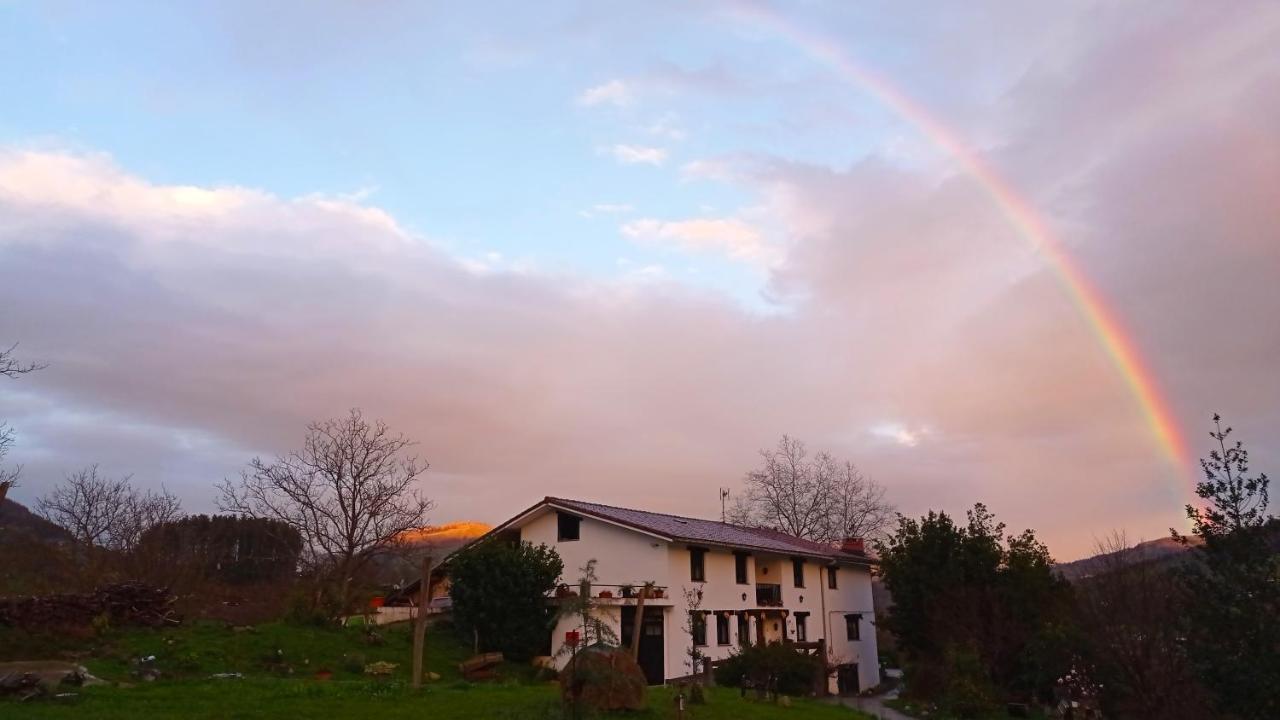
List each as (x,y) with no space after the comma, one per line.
(853,545)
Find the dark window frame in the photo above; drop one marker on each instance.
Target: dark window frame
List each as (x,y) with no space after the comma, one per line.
(802,627)
(563,522)
(722,629)
(740,574)
(832,583)
(797,572)
(744,630)
(700,628)
(697,564)
(853,627)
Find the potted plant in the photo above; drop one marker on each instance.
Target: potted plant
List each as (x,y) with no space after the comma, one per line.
(628,591)
(563,591)
(657,592)
(606,594)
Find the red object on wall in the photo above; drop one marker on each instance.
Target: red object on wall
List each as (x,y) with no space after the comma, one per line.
(571,638)
(376,602)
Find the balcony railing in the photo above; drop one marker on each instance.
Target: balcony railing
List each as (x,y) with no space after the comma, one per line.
(615,592)
(768,595)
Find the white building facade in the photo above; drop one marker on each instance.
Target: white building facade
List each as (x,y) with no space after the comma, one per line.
(756,586)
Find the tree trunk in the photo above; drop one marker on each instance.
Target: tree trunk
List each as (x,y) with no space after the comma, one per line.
(420,622)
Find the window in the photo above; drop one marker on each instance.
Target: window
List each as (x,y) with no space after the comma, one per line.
(802,630)
(722,628)
(568,527)
(744,630)
(831,578)
(700,628)
(797,568)
(852,627)
(740,568)
(697,564)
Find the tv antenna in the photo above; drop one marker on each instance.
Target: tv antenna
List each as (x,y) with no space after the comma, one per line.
(724,495)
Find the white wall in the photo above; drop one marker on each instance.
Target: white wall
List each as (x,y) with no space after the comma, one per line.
(624,556)
(853,596)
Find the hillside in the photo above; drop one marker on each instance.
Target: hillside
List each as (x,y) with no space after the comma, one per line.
(1163,551)
(17,521)
(441,540)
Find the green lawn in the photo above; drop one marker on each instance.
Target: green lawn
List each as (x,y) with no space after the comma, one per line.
(280,664)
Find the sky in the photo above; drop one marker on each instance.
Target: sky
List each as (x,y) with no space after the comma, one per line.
(611,251)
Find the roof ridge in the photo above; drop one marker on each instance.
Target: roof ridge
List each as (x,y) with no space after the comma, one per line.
(647,512)
(749,528)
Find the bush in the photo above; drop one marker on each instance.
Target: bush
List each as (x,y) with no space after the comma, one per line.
(969,692)
(499,592)
(794,670)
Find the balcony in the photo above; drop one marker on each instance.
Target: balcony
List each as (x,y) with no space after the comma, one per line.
(768,595)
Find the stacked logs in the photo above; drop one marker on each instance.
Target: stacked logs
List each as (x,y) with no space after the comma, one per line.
(122,604)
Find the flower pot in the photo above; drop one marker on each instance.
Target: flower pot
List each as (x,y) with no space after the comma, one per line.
(606,594)
(377,601)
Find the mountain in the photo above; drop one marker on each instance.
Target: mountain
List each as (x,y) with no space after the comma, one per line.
(447,535)
(1162,551)
(441,540)
(17,521)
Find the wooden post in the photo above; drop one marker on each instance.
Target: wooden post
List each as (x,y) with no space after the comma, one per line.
(420,622)
(821,688)
(635,627)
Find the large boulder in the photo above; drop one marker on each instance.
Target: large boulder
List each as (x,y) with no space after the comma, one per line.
(604,679)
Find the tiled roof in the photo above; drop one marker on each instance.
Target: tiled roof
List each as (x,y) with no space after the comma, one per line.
(711,532)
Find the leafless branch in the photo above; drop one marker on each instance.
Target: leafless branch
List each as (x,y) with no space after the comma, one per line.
(815,497)
(350,492)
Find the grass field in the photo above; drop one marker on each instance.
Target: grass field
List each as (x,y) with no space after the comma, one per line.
(282,667)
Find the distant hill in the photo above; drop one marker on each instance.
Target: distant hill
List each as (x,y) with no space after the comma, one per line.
(440,539)
(16,520)
(449,534)
(1162,551)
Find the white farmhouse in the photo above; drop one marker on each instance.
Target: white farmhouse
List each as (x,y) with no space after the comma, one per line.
(757,585)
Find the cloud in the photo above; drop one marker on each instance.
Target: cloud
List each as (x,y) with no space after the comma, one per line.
(614,92)
(898,433)
(730,237)
(607,209)
(190,327)
(668,126)
(637,154)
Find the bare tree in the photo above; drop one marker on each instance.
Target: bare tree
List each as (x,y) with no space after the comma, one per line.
(858,505)
(1129,606)
(12,368)
(814,497)
(103,513)
(349,492)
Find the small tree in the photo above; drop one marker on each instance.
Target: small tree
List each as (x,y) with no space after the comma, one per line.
(814,497)
(499,591)
(349,492)
(695,623)
(595,629)
(103,513)
(12,368)
(1232,635)
(1130,609)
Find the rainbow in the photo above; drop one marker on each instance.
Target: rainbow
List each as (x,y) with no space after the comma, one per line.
(1020,214)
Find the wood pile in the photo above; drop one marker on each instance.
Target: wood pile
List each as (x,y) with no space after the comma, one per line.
(122,604)
(480,667)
